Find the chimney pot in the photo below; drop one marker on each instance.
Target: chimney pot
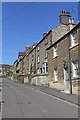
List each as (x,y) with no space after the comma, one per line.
(71,20)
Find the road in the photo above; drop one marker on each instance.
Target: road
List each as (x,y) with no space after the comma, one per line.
(22,101)
(0,97)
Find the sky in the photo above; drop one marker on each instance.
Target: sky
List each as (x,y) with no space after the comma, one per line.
(23,23)
(0,32)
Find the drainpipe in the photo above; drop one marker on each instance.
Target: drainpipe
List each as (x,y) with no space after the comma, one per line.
(45,67)
(35,62)
(70,81)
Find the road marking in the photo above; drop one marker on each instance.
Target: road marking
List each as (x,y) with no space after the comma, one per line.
(58,98)
(55,97)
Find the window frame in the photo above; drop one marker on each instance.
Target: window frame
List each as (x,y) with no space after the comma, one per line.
(75,68)
(55,51)
(38,48)
(38,70)
(46,67)
(55,74)
(38,58)
(74,38)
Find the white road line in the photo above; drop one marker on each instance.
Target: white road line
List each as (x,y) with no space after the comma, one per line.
(59,99)
(55,97)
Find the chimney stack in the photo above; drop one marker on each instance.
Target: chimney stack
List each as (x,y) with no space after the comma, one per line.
(28,48)
(64,17)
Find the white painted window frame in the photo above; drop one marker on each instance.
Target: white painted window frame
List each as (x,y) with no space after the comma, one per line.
(75,69)
(38,71)
(55,51)
(73,39)
(38,48)
(55,74)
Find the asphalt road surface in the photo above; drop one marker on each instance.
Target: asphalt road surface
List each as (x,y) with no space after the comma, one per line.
(0,97)
(22,101)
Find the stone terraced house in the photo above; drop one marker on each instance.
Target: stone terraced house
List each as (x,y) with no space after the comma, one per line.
(38,55)
(45,60)
(4,68)
(63,60)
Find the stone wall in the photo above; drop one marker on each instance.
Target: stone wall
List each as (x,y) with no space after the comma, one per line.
(58,62)
(26,80)
(76,86)
(40,80)
(66,55)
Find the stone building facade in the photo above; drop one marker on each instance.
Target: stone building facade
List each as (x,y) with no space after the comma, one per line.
(21,65)
(49,38)
(40,58)
(38,61)
(63,60)
(41,54)
(4,68)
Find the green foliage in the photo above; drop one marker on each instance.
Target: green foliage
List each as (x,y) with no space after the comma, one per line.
(35,75)
(46,84)
(9,73)
(20,77)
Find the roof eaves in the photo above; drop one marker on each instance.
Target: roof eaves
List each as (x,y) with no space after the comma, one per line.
(40,42)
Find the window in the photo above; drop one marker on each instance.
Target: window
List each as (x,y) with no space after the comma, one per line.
(46,67)
(75,68)
(38,71)
(41,70)
(32,62)
(55,74)
(46,53)
(38,48)
(38,59)
(33,54)
(55,51)
(74,39)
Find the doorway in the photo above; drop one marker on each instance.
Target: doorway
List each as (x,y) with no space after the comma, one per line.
(66,79)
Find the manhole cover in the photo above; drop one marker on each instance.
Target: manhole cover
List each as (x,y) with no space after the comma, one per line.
(2,102)
(29,102)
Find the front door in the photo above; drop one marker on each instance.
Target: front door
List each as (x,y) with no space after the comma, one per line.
(66,77)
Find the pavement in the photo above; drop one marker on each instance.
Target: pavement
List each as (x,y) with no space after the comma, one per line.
(72,98)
